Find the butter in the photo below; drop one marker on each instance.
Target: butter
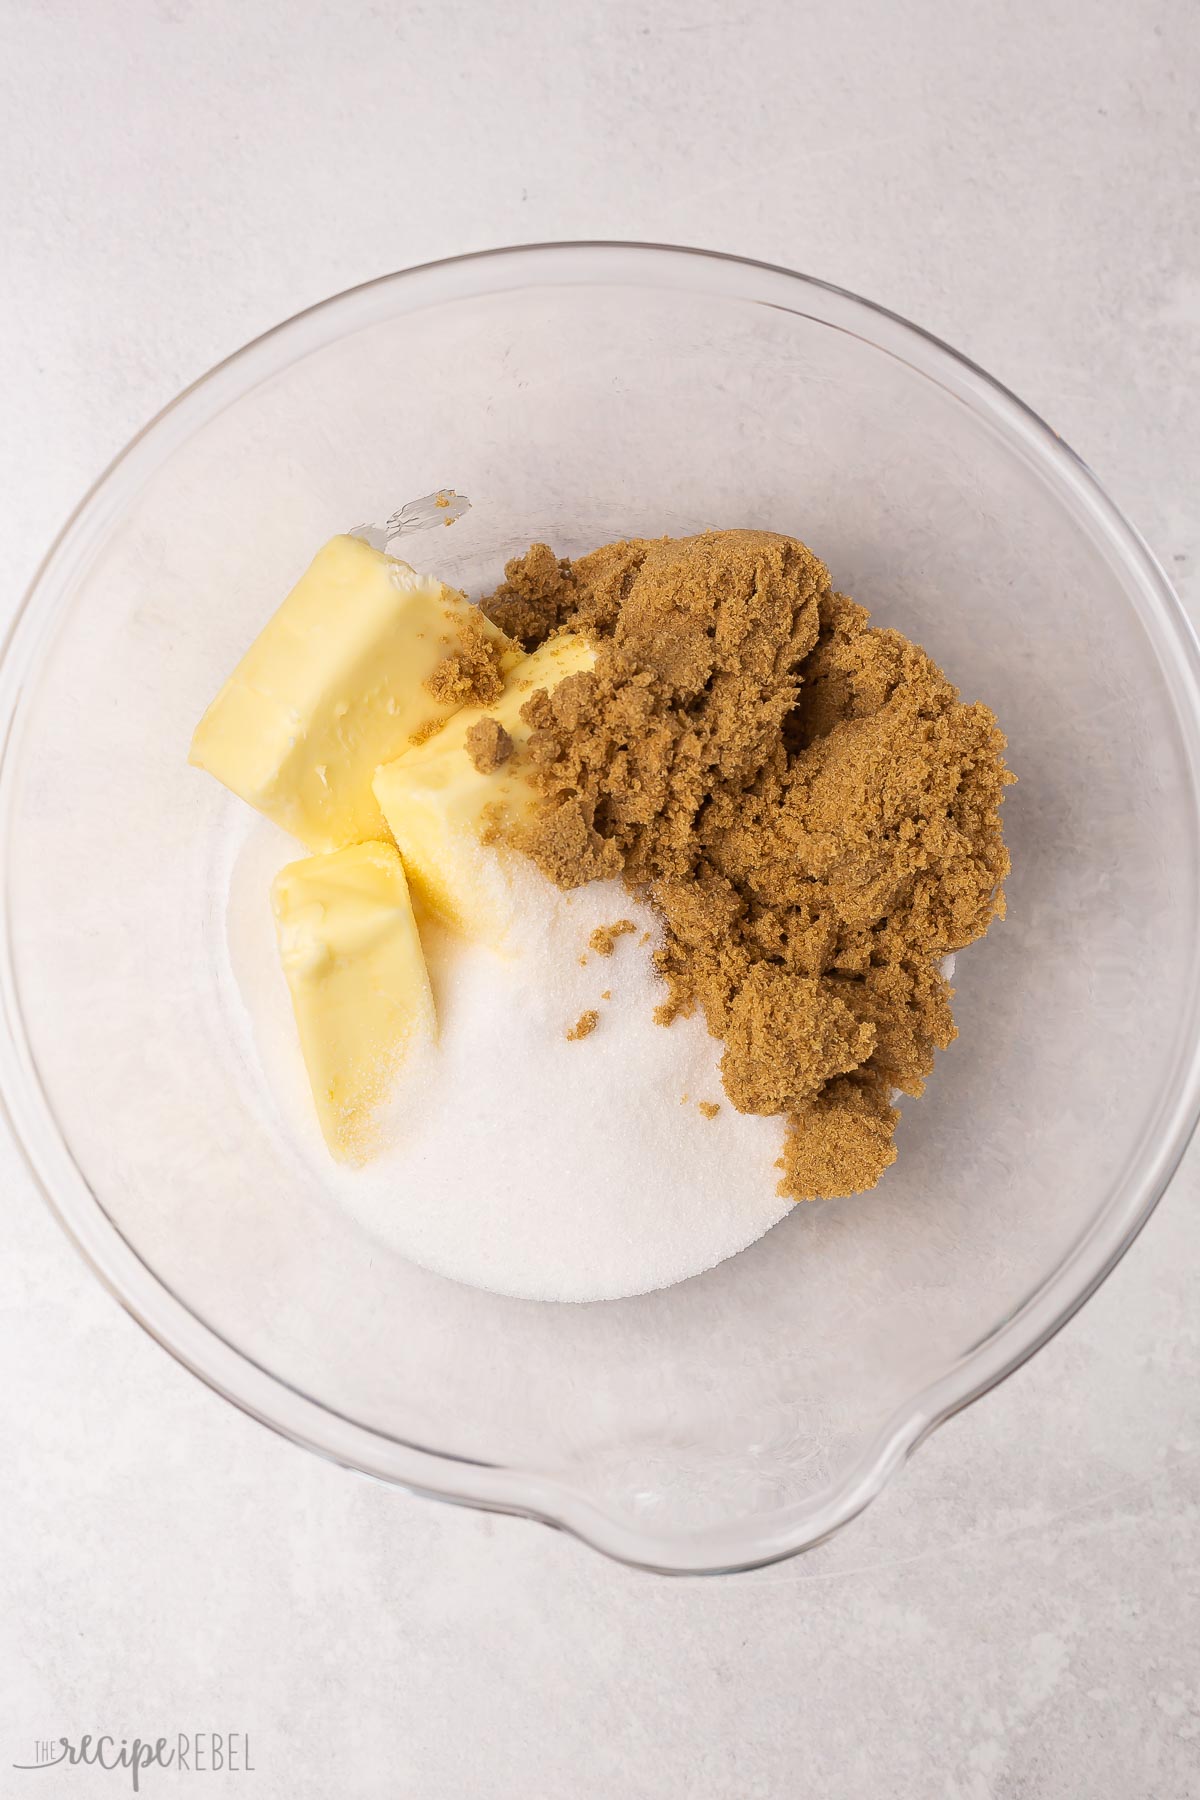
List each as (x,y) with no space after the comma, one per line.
(360,991)
(440,808)
(332,687)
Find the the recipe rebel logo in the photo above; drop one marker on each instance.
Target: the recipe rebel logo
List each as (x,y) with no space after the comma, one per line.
(190,1753)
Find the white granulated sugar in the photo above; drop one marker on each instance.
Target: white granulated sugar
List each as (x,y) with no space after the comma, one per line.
(515,1160)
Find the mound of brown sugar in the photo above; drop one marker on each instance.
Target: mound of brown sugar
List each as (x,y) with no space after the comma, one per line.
(803,799)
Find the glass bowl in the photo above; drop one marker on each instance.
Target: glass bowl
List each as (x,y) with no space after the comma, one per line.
(580,393)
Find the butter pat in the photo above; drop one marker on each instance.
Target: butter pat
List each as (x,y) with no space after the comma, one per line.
(359,986)
(333,686)
(440,808)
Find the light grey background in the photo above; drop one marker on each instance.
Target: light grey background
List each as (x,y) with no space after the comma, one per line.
(1018,1616)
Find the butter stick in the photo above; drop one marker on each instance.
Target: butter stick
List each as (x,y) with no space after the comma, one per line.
(446,815)
(360,990)
(334,685)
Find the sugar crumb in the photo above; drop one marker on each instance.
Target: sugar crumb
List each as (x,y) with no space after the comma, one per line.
(603,939)
(488,745)
(584,1026)
(472,674)
(709,1108)
(424,732)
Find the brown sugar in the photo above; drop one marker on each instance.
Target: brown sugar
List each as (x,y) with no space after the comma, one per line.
(604,939)
(786,1035)
(710,1108)
(584,1026)
(473,673)
(802,798)
(488,745)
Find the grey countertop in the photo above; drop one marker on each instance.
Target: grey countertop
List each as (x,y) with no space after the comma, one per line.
(1018,1616)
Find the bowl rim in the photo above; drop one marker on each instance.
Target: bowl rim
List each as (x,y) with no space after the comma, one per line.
(268,1397)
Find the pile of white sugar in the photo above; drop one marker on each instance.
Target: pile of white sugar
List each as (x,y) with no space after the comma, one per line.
(515,1159)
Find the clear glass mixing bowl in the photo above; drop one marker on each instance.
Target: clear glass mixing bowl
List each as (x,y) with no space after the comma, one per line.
(580,393)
